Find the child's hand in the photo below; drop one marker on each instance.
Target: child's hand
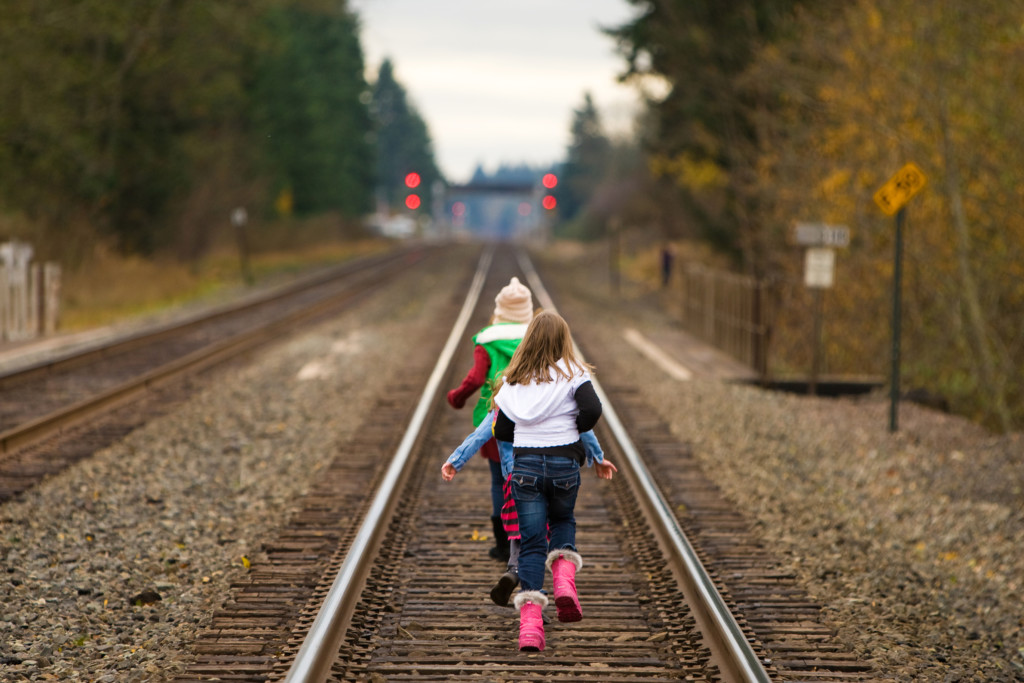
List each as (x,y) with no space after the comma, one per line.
(448,471)
(605,470)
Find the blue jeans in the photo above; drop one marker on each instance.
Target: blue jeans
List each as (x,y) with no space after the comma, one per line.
(544,489)
(497,488)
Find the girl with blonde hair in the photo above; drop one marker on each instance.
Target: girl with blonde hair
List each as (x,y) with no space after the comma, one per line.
(545,401)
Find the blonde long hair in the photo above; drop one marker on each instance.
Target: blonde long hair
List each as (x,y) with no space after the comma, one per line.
(547,340)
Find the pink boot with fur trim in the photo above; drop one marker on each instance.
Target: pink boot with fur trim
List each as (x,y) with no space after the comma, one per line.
(531,621)
(564,565)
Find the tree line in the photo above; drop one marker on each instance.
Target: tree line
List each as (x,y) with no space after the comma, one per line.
(773,112)
(145,123)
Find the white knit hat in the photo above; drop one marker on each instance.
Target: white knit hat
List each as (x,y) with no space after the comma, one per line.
(514,303)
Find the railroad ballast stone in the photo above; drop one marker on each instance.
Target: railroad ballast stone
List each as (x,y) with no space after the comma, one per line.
(910,541)
(177,504)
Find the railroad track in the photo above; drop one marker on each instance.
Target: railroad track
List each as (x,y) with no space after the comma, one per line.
(394,585)
(57,411)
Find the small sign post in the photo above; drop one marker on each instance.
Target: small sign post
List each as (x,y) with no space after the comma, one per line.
(894,195)
(892,199)
(819,269)
(819,274)
(821,235)
(239,218)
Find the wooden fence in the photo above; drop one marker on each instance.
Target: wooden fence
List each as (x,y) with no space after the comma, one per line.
(29,297)
(729,312)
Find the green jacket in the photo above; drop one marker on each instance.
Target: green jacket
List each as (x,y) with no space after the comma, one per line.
(500,341)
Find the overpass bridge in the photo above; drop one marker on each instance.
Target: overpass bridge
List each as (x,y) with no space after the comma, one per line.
(497,209)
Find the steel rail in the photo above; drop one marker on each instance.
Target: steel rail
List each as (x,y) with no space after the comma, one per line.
(69,416)
(725,637)
(319,649)
(100,349)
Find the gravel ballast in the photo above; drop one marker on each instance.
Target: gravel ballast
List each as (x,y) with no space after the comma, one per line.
(113,567)
(910,541)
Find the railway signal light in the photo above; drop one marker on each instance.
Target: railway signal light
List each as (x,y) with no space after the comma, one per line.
(549,181)
(412,200)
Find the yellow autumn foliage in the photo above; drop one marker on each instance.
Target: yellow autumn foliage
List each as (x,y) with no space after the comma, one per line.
(688,171)
(941,84)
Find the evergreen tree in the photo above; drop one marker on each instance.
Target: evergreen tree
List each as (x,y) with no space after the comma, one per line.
(309,108)
(403,140)
(135,119)
(586,162)
(103,105)
(705,136)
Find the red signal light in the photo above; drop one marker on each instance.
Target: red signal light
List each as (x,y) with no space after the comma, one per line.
(549,180)
(412,201)
(549,202)
(412,180)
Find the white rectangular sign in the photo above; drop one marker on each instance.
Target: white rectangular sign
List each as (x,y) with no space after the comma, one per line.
(821,235)
(819,267)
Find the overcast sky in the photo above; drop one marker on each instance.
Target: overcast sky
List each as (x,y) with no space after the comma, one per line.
(497,82)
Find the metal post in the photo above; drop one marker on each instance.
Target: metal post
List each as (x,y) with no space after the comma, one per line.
(35,300)
(894,390)
(812,388)
(239,218)
(51,296)
(614,250)
(709,306)
(758,333)
(5,303)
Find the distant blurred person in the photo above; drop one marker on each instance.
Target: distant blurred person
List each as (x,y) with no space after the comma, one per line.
(668,257)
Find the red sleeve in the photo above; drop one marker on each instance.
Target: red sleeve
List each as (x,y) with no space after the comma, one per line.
(474,379)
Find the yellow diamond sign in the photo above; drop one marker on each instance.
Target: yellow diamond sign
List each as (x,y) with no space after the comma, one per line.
(907,182)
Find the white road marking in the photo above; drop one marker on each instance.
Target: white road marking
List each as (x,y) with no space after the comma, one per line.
(351,344)
(673,368)
(315,370)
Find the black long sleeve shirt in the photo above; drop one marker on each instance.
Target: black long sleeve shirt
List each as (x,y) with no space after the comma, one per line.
(590,412)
